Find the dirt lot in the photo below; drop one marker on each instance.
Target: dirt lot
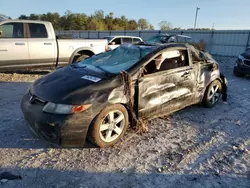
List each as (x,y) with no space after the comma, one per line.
(196,147)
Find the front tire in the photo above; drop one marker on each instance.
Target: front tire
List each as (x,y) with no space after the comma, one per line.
(213,94)
(109,126)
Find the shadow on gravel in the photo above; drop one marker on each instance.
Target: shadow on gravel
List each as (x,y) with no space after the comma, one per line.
(130,178)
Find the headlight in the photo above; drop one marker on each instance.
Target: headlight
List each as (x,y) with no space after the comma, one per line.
(240,57)
(64,108)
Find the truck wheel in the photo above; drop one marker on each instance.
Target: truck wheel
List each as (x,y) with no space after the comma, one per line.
(80,58)
(212,94)
(109,126)
(237,73)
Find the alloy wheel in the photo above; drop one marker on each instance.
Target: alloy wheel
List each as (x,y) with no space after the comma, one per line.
(112,126)
(214,94)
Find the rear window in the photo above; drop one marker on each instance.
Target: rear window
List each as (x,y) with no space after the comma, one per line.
(38,31)
(127,40)
(136,40)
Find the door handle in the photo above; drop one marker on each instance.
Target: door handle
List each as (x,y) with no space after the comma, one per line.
(47,43)
(185,75)
(19,44)
(3,50)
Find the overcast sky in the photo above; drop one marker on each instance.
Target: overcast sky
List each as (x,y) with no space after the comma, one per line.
(225,14)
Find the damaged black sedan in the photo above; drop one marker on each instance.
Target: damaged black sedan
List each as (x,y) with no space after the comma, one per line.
(99,97)
(242,65)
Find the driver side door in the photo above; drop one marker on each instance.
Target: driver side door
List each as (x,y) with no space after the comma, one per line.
(13,45)
(168,89)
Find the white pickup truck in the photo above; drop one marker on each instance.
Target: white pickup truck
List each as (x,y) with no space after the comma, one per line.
(31,44)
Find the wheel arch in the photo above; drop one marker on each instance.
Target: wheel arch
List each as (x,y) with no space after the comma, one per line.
(81,51)
(97,116)
(222,79)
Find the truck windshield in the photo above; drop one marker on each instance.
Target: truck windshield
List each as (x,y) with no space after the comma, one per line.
(122,58)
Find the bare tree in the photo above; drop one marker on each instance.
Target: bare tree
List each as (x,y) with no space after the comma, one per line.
(165,25)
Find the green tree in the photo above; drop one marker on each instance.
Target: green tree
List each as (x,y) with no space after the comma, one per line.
(54,18)
(165,25)
(117,24)
(151,27)
(96,21)
(124,22)
(95,24)
(177,28)
(143,24)
(34,17)
(23,17)
(80,21)
(99,14)
(109,20)
(132,25)
(67,21)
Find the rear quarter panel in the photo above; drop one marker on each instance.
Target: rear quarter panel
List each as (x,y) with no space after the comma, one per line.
(206,75)
(68,46)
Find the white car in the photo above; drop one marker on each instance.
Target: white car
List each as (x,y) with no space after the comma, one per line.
(116,41)
(166,38)
(29,43)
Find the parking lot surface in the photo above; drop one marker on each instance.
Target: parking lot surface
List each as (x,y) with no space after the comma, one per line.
(195,147)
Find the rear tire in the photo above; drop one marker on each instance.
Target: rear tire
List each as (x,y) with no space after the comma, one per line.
(237,73)
(80,58)
(213,94)
(109,126)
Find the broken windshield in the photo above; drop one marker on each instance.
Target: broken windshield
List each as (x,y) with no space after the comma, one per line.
(115,61)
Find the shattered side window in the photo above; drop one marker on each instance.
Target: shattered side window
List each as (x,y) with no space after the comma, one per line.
(122,58)
(167,60)
(195,54)
(198,55)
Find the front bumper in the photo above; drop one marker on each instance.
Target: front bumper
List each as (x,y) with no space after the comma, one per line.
(64,130)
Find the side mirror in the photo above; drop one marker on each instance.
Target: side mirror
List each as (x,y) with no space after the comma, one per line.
(1,34)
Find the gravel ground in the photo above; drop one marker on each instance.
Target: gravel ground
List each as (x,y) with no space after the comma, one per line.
(195,147)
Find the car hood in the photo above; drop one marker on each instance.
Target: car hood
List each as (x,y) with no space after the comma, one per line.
(246,54)
(69,85)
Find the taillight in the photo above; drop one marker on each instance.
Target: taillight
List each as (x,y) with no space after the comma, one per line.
(106,48)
